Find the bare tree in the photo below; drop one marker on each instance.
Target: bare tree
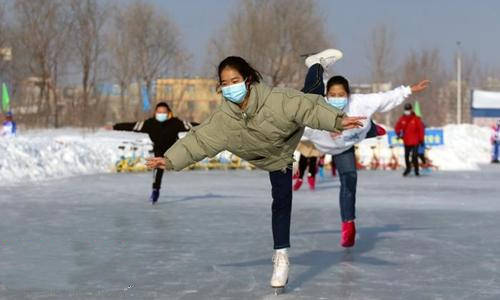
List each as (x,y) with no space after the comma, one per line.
(121,63)
(89,18)
(272,34)
(381,58)
(381,53)
(3,39)
(41,33)
(427,63)
(154,40)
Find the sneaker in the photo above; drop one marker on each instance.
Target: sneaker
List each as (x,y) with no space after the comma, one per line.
(348,234)
(312,182)
(406,172)
(154,196)
(325,58)
(281,266)
(297,184)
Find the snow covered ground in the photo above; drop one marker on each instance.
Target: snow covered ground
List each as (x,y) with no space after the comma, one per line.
(51,154)
(96,237)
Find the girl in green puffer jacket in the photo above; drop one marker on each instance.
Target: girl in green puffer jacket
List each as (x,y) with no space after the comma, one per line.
(262,125)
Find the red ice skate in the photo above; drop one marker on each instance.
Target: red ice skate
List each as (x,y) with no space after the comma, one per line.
(297,184)
(312,182)
(348,234)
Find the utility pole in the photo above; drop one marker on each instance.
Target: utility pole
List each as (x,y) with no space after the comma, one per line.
(459,84)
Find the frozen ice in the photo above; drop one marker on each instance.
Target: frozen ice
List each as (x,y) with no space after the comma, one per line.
(97,237)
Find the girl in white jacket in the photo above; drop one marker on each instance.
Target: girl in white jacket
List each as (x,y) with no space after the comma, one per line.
(341,146)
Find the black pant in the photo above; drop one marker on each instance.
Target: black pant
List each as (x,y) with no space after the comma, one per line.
(304,163)
(281,183)
(158,174)
(413,151)
(348,175)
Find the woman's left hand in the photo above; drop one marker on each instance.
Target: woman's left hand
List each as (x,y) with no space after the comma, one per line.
(352,122)
(419,87)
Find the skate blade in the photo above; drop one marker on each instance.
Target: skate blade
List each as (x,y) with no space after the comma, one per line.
(279,290)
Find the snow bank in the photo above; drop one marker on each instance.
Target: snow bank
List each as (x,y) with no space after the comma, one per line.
(48,154)
(465,148)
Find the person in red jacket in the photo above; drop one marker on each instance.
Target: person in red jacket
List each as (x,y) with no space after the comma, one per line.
(411,129)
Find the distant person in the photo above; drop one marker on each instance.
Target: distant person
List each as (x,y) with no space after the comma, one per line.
(9,127)
(309,157)
(495,141)
(163,130)
(411,129)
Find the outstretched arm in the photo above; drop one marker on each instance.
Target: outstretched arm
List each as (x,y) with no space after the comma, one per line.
(139,126)
(386,101)
(203,141)
(313,111)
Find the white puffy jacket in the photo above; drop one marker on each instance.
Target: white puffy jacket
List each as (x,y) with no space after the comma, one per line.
(359,105)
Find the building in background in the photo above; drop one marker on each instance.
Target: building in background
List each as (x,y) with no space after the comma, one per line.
(190,98)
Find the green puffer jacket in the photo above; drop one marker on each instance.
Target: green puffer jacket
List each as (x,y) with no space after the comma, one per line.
(265,134)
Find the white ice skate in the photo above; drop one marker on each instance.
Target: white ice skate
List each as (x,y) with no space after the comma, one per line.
(326,58)
(280,271)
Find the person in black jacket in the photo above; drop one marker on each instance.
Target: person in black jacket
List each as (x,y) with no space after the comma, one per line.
(163,130)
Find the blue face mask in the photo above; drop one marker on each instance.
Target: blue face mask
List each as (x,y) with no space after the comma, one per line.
(161,117)
(235,92)
(337,102)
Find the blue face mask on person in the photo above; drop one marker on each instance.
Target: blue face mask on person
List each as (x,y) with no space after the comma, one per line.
(337,102)
(235,92)
(161,117)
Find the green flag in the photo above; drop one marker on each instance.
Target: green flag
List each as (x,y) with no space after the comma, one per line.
(5,98)
(417,109)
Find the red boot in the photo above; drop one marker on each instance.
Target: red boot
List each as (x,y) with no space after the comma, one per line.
(297,184)
(380,130)
(312,182)
(348,234)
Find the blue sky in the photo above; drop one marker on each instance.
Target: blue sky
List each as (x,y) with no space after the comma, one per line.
(417,24)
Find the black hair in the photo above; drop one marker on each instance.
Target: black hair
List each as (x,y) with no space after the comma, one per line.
(242,66)
(339,80)
(408,106)
(163,104)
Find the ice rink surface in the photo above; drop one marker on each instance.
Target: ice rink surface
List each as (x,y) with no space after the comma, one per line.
(97,237)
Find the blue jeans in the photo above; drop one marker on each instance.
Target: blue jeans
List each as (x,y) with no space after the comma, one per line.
(281,183)
(348,175)
(313,84)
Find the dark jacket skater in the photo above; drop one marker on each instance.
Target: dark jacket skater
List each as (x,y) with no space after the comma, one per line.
(163,130)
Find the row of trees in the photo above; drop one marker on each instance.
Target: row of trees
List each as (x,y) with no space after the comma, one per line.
(85,42)
(57,43)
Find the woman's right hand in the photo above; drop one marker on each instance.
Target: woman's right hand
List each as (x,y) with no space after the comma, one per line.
(156,163)
(352,122)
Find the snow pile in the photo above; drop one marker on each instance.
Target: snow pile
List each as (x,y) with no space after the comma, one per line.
(49,154)
(465,148)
